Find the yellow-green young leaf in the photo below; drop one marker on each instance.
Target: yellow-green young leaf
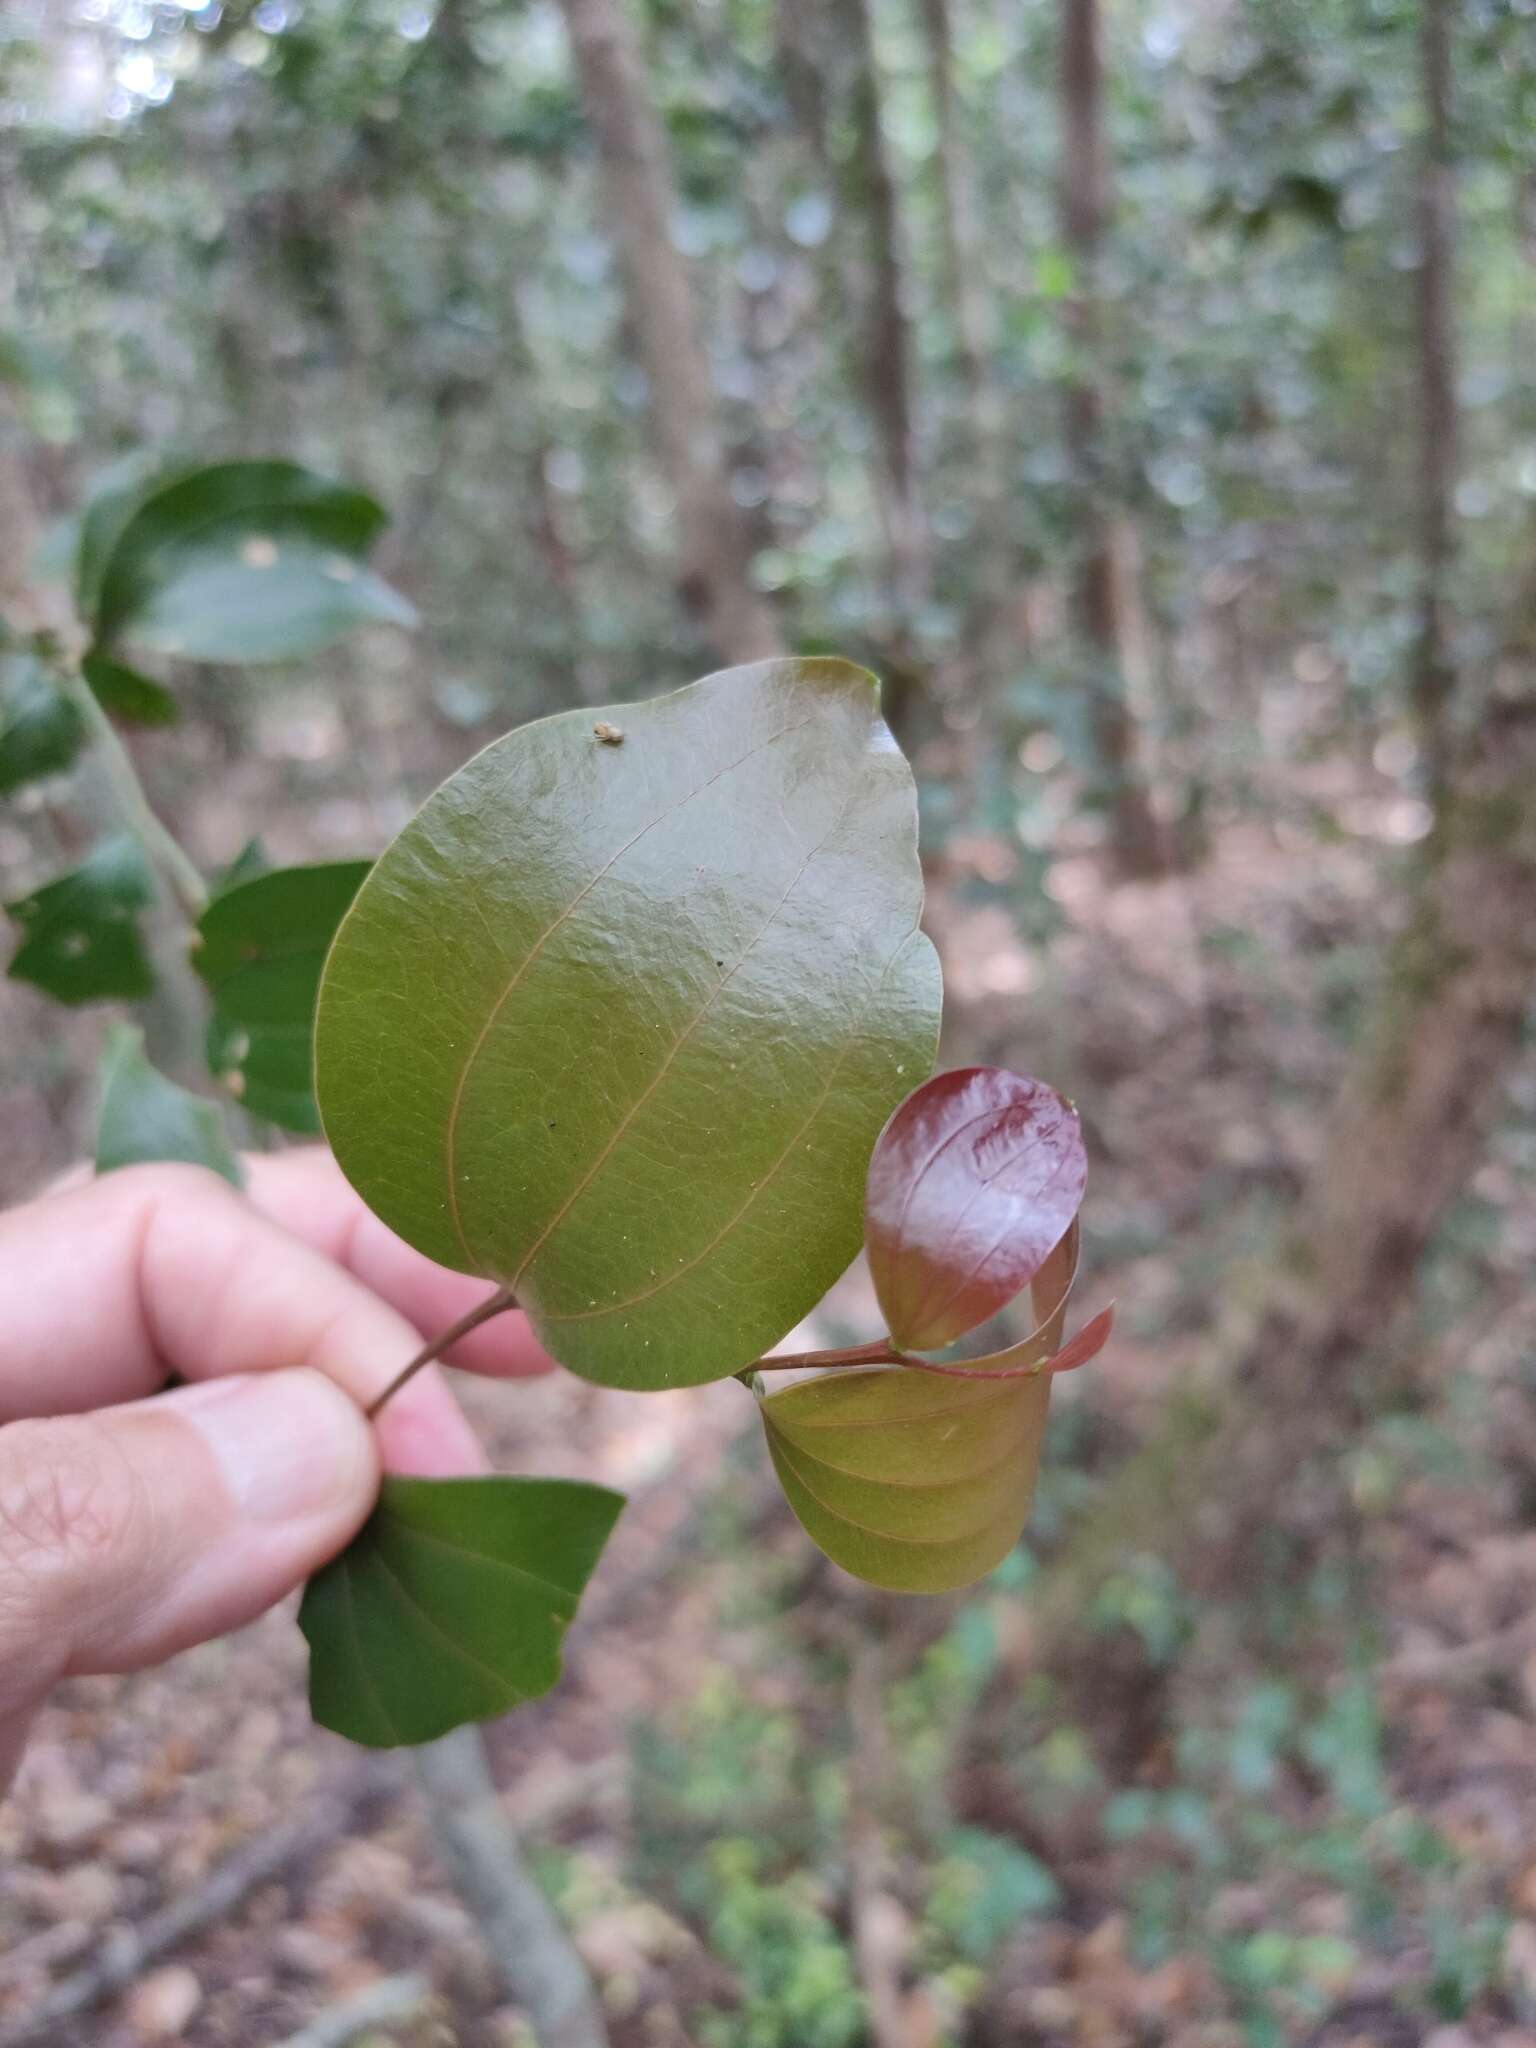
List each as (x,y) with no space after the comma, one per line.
(80,937)
(450,1604)
(618,1017)
(146,1117)
(261,946)
(911,1481)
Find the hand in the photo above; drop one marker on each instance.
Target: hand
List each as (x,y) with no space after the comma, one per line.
(135,1522)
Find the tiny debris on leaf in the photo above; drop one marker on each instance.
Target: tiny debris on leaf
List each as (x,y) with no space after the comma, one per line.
(610,735)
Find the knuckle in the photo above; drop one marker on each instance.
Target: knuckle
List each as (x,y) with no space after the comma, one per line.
(69,1502)
(173,1179)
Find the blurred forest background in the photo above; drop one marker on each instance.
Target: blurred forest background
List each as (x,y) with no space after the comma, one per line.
(1147,391)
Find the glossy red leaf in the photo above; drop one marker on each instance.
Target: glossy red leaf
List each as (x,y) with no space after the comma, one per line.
(973,1183)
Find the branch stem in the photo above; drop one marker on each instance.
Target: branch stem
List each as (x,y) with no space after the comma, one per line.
(161,846)
(877,1353)
(494,1305)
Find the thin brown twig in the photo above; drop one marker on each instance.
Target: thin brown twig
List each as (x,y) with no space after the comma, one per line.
(494,1305)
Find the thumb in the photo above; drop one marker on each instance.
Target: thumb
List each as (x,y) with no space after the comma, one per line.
(127,1534)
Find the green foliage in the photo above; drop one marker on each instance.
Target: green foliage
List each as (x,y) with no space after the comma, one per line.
(134,698)
(451,1604)
(798,1984)
(642,1085)
(80,935)
(260,947)
(238,561)
(982,1888)
(40,729)
(145,1117)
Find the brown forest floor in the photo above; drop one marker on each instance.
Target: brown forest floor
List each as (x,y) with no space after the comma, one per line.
(1200,1024)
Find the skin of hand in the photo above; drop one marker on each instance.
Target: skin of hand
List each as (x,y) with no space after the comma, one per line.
(135,1521)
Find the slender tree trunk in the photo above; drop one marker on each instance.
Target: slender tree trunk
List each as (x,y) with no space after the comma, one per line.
(713,572)
(1241,1459)
(959,226)
(884,332)
(1136,837)
(1433,677)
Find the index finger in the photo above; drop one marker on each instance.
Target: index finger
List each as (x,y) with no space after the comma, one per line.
(307,1193)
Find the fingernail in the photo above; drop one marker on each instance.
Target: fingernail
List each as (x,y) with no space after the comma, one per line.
(288,1443)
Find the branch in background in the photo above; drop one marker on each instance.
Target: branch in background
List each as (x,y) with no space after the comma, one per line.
(163,850)
(533,1953)
(1433,673)
(383,2004)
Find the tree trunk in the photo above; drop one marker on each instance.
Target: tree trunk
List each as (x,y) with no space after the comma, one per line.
(713,571)
(1433,677)
(884,334)
(959,227)
(1288,1380)
(1136,836)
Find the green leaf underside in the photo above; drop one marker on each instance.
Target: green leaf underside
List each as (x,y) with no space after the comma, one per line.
(915,1493)
(238,561)
(40,729)
(146,1117)
(262,945)
(617,1025)
(450,1604)
(80,936)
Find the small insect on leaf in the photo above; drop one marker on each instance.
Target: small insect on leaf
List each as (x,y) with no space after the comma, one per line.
(973,1183)
(610,735)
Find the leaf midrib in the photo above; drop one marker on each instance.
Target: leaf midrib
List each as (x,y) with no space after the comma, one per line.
(587,1315)
(456,1106)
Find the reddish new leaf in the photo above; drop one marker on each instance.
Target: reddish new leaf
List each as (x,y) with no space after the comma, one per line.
(973,1183)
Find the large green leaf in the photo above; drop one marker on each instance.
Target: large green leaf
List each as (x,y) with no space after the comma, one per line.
(80,934)
(261,947)
(617,1018)
(144,1116)
(451,1603)
(239,561)
(40,729)
(912,1481)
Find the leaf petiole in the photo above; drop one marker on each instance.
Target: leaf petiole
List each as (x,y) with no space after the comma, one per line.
(494,1305)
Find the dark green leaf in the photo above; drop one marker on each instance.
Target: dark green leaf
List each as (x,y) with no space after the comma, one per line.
(241,561)
(138,699)
(261,947)
(450,1604)
(618,1024)
(114,496)
(146,1117)
(80,934)
(40,729)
